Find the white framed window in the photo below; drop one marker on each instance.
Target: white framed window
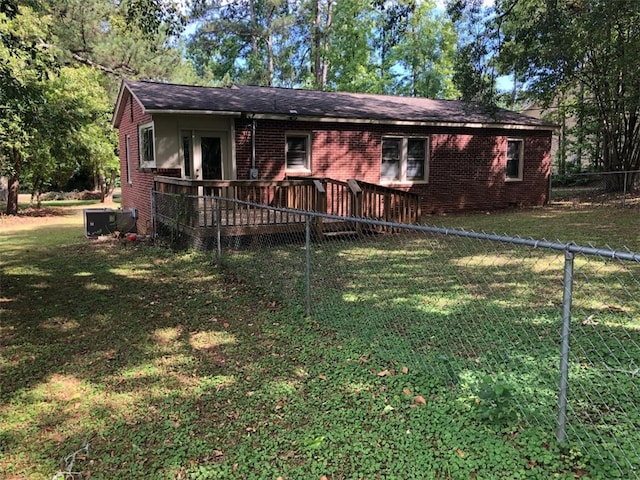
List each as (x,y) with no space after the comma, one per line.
(146,141)
(127,155)
(404,159)
(515,159)
(298,152)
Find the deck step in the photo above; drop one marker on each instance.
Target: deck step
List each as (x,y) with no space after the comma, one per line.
(340,233)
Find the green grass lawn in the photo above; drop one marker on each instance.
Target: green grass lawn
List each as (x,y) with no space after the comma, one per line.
(417,362)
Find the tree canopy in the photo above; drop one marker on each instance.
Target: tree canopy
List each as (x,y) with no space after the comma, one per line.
(374,46)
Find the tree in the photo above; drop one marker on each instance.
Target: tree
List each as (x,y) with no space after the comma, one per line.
(475,71)
(425,54)
(349,63)
(391,26)
(246,41)
(130,38)
(26,61)
(91,144)
(55,118)
(585,50)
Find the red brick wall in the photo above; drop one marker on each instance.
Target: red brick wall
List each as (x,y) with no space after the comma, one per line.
(466,166)
(136,194)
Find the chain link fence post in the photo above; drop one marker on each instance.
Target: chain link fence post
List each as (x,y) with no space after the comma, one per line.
(218,210)
(561,434)
(307,235)
(154,213)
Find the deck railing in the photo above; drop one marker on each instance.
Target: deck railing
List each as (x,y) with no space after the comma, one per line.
(389,204)
(324,195)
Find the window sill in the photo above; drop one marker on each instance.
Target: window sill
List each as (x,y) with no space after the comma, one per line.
(512,180)
(297,171)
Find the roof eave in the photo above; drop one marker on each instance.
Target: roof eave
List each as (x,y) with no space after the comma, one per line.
(117,111)
(121,101)
(371,121)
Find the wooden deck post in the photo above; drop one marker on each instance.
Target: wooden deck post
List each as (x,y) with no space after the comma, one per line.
(320,206)
(356,203)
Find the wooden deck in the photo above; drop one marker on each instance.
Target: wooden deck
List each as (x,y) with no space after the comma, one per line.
(191,206)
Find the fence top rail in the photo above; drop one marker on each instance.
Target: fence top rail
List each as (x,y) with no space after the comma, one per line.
(611,172)
(530,242)
(233,183)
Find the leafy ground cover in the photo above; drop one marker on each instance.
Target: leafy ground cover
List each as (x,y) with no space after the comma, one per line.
(172,367)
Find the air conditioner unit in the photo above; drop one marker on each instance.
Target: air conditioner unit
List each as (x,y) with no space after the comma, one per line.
(106,221)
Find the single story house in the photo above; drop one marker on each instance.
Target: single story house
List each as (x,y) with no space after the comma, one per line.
(454,155)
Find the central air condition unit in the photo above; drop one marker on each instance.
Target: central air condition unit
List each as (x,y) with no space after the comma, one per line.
(106,221)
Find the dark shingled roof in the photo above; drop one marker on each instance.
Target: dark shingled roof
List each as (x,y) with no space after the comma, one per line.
(326,105)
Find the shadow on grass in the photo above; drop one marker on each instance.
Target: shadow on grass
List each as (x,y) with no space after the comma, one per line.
(457,313)
(174,369)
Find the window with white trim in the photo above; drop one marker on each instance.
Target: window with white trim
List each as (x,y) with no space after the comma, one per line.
(298,151)
(404,159)
(127,155)
(147,146)
(515,159)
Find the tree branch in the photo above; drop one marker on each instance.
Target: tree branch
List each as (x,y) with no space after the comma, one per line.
(118,71)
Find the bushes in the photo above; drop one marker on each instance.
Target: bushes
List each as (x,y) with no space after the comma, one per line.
(75,195)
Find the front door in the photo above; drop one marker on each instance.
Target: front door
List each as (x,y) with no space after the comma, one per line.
(209,156)
(211,148)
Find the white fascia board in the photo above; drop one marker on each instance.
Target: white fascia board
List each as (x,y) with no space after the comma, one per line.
(193,112)
(476,125)
(272,116)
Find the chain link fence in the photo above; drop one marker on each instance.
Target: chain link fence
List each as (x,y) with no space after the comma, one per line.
(597,188)
(532,334)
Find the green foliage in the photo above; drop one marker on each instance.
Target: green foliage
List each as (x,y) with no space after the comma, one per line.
(426,54)
(56,100)
(358,46)
(248,40)
(475,71)
(133,38)
(583,52)
(495,400)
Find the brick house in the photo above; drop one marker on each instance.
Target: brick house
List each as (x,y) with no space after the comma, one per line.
(454,155)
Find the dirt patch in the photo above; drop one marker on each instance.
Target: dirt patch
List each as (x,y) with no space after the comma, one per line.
(32,217)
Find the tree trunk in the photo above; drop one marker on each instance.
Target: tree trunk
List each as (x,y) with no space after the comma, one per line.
(325,46)
(12,197)
(316,43)
(14,182)
(562,150)
(270,66)
(106,188)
